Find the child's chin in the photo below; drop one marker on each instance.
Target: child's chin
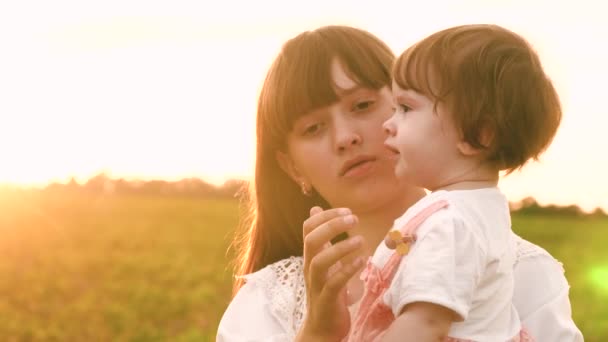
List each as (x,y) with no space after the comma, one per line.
(401,171)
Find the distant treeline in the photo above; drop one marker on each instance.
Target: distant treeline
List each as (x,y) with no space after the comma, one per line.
(101,184)
(529,206)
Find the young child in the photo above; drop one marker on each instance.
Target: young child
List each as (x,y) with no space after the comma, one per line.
(471,101)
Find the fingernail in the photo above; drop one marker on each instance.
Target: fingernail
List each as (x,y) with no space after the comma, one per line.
(350,219)
(345,211)
(356,241)
(358,262)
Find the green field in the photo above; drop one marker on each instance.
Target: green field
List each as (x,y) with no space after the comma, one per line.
(154,268)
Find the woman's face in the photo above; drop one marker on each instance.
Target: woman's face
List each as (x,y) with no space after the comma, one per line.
(340,151)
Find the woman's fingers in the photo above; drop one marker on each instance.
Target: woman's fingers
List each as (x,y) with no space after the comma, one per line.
(338,280)
(321,257)
(319,216)
(320,264)
(318,239)
(315,210)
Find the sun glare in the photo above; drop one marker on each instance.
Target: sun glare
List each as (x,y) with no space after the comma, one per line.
(598,277)
(173,93)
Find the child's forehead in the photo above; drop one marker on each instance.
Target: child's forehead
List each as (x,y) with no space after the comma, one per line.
(409,96)
(401,90)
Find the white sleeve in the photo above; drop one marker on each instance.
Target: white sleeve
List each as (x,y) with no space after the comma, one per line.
(249,317)
(443,267)
(541,299)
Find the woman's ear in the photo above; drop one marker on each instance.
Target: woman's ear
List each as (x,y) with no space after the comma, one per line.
(287,165)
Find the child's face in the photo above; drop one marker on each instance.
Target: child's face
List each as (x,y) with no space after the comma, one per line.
(424,141)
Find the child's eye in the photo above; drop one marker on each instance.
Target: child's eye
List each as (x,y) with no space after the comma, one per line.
(403,108)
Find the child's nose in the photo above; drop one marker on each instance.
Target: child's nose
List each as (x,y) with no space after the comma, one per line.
(389,128)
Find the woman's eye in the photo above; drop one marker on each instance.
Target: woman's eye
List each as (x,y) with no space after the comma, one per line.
(360,106)
(312,129)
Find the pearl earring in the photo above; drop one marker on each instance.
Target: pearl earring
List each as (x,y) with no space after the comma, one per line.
(306,189)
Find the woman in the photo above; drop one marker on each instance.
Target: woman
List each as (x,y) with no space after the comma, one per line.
(320,145)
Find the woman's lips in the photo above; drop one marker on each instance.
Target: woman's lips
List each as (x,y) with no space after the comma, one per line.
(359,169)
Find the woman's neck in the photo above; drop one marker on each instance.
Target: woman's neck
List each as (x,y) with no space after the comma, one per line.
(374,224)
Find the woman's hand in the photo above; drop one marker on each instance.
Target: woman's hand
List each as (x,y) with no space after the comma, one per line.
(326,273)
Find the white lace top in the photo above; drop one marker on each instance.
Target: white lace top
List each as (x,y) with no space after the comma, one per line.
(272,304)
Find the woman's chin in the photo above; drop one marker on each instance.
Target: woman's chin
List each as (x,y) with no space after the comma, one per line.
(378,194)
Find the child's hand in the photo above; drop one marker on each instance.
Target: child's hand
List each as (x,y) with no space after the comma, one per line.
(326,275)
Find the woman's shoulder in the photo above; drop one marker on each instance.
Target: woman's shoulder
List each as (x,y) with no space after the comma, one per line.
(541,294)
(536,268)
(528,252)
(272,298)
(283,273)
(283,285)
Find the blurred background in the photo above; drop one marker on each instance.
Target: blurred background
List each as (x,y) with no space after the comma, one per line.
(127,127)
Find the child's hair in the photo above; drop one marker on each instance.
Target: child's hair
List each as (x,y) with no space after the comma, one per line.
(490,80)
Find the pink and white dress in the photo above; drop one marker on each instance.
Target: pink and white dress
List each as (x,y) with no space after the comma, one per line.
(461,258)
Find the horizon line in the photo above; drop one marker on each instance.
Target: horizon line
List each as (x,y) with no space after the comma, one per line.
(218,185)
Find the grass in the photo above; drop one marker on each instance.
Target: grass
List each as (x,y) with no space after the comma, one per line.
(153,268)
(76,268)
(580,244)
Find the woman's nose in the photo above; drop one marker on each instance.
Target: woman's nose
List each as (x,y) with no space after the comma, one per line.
(346,132)
(346,139)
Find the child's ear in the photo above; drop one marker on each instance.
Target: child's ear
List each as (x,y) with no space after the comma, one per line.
(486,136)
(466,149)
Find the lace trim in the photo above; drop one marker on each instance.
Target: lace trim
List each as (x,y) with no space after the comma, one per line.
(289,293)
(283,282)
(526,249)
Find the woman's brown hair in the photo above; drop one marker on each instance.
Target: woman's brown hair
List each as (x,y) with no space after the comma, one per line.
(298,82)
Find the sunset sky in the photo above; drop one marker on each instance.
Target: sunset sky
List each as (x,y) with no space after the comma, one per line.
(150,89)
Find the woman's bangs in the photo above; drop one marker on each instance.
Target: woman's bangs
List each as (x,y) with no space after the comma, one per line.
(303,84)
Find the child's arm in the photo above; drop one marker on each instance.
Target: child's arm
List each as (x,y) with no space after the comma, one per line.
(421,322)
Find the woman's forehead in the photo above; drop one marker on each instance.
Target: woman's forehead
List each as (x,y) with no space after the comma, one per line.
(342,81)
